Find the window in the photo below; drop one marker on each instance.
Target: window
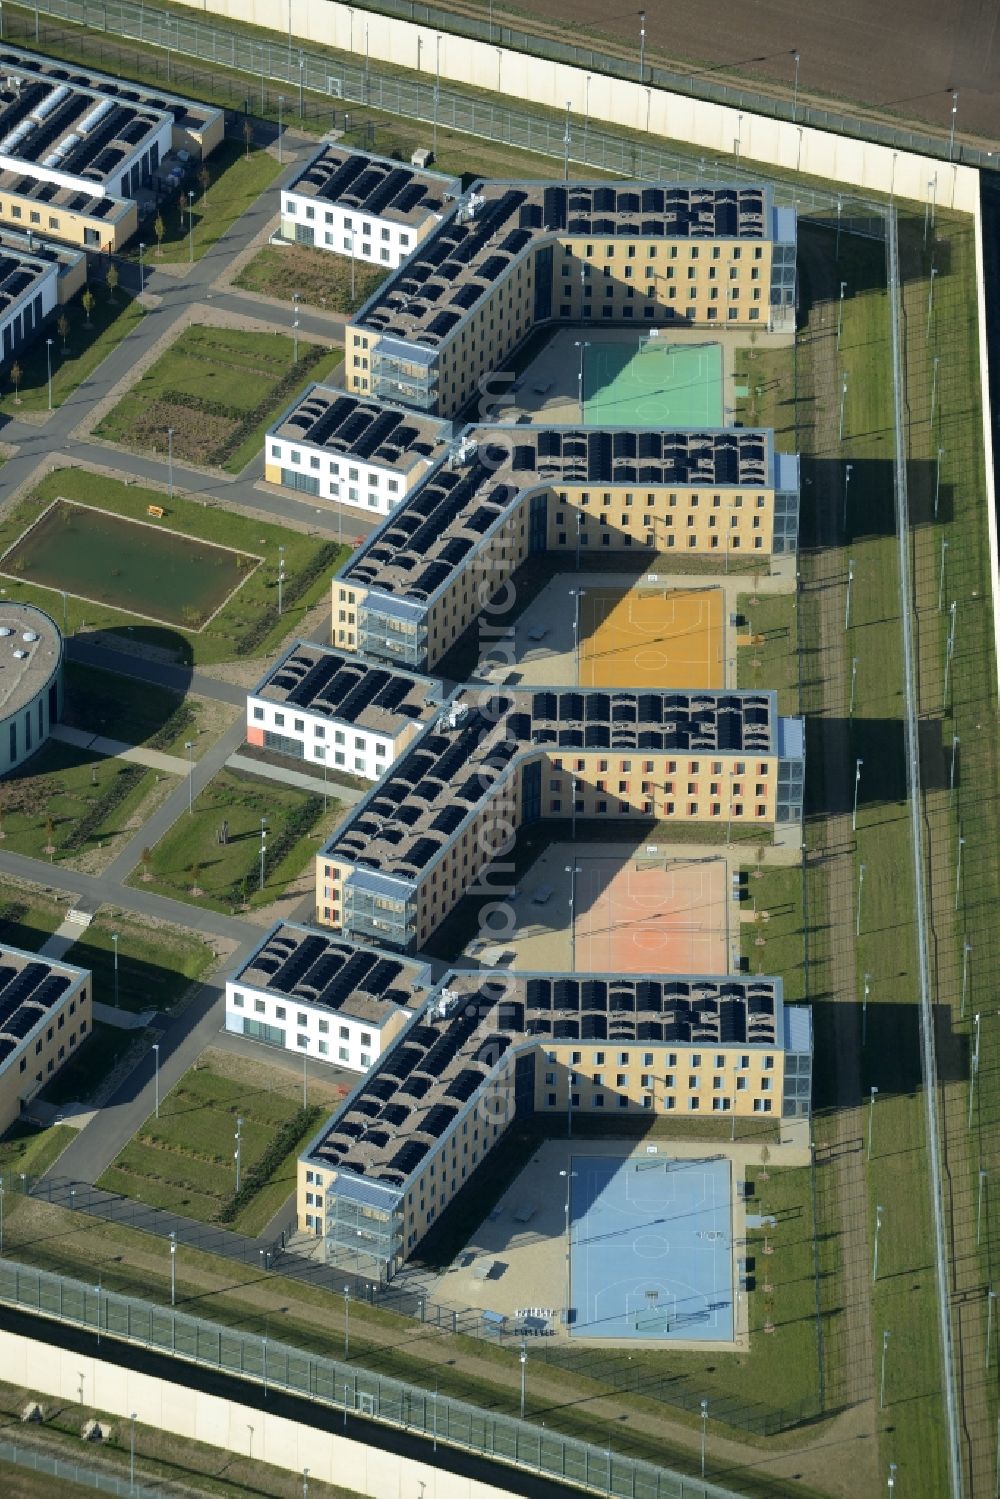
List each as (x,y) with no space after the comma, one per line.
(343,1054)
(238,1001)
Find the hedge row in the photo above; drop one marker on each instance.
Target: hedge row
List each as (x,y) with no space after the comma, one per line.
(124,783)
(256,1176)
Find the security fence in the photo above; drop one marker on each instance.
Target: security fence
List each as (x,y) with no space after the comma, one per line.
(23,1456)
(317,89)
(271,1364)
(696,85)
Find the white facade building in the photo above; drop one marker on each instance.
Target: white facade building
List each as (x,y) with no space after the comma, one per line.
(365,206)
(354,452)
(337,710)
(31,665)
(324,998)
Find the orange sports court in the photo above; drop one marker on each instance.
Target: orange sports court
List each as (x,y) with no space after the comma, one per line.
(652,637)
(651,915)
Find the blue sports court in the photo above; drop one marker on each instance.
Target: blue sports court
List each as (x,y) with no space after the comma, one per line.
(651,1252)
(653,382)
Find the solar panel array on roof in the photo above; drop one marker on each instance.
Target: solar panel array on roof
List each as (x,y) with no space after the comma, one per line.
(27,994)
(320,971)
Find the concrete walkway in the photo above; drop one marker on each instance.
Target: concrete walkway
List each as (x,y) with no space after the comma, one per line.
(62,939)
(117,749)
(123,1020)
(346,795)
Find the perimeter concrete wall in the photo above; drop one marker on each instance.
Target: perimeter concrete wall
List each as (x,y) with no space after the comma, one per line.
(97,1386)
(712,128)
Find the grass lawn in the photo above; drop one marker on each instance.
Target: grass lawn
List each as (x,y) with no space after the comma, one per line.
(218,389)
(31,1151)
(137,712)
(27,917)
(74,358)
(190,864)
(772,659)
(183,1161)
(321,278)
(64,803)
(248,625)
(156,964)
(95,1060)
(237,181)
(774,943)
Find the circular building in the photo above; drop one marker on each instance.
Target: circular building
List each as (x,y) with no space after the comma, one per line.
(31,693)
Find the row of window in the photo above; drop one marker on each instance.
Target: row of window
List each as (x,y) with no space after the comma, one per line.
(650,273)
(693,498)
(302,1017)
(692,252)
(298,726)
(647,809)
(295,456)
(363,228)
(649,538)
(673,767)
(694,1059)
(666,1101)
(649,521)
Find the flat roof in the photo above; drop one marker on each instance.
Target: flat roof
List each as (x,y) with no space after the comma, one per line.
(349,426)
(428,538)
(31,649)
(30,986)
(93,205)
(22,270)
(496,223)
(62,127)
(374,185)
(346,689)
(423,1081)
(309,967)
(411,816)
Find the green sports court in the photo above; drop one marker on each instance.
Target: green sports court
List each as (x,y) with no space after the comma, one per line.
(653,383)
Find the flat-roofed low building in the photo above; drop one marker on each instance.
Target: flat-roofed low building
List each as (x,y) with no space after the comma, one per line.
(361,454)
(46,1011)
(31,685)
(320,705)
(489,1048)
(516,256)
(428,571)
(493,760)
(76,145)
(36,278)
(366,206)
(305,992)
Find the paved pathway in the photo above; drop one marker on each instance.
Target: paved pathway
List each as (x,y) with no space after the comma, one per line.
(174,765)
(346,795)
(160,673)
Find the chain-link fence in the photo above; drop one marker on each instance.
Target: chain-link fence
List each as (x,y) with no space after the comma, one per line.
(273,1364)
(33,1458)
(317,90)
(696,86)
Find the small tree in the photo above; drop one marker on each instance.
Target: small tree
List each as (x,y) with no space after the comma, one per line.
(765,1156)
(159,229)
(205,179)
(147,859)
(248,134)
(16,376)
(88,306)
(195,872)
(113,279)
(63,327)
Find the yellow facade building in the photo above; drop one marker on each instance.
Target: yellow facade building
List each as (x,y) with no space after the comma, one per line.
(45,1016)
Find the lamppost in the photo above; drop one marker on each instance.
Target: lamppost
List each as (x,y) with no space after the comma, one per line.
(979,1203)
(873,1094)
(351,234)
(847,484)
(864,1008)
(189,746)
(879,1210)
(156,1079)
(578,594)
(281,563)
(236,1152)
(881,1381)
(302,82)
(850,581)
(958,871)
(437,92)
(891,1480)
(966,955)
(347,1319)
(991,1296)
(190,224)
(857,783)
(173,1268)
(263,846)
(937,481)
(142,280)
(854,680)
(131,1455)
(795,91)
(930,299)
(583,345)
(569,1175)
(704,1429)
(840,207)
(281,105)
(642,45)
(861,891)
(566,143)
(974,1070)
(843,404)
(114,939)
(295,327)
(954,117)
(170,462)
(840,312)
(524,1365)
(48,365)
(944,553)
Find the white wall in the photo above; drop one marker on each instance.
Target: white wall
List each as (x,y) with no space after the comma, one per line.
(367,487)
(382,242)
(362,752)
(712,128)
(349,1042)
(173,1407)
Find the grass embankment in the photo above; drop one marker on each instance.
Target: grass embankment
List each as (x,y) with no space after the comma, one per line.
(116,707)
(191,864)
(321,277)
(218,390)
(183,1161)
(248,624)
(73,358)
